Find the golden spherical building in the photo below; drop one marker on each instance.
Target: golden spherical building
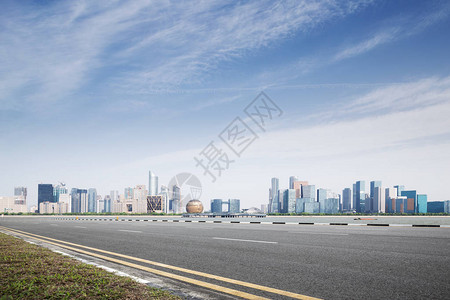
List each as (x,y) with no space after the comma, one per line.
(194,207)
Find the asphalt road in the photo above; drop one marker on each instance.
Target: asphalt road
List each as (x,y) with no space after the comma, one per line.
(330,262)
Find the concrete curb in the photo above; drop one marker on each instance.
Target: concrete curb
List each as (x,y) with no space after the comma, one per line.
(256,222)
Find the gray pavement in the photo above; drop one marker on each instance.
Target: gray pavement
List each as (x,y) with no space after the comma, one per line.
(331,262)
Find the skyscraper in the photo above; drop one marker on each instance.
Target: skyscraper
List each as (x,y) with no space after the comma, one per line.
(58,190)
(128,193)
(298,188)
(289,201)
(152,184)
(140,199)
(410,204)
(114,195)
(20,195)
(45,194)
(378,200)
(321,195)
(176,201)
(354,197)
(400,189)
(234,206)
(347,199)
(373,205)
(360,196)
(79,200)
(291,181)
(422,205)
(92,200)
(273,197)
(165,194)
(216,206)
(309,191)
(107,204)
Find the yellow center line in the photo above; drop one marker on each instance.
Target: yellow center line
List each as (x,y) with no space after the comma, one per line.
(206,275)
(154,271)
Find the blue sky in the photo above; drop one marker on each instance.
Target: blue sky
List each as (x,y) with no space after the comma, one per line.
(95,94)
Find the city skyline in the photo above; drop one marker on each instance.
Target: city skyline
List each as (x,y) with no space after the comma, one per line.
(276,191)
(364,87)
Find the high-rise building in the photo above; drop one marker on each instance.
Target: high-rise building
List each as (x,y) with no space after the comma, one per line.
(378,200)
(45,194)
(390,193)
(373,185)
(311,207)
(58,190)
(298,188)
(216,206)
(329,206)
(264,208)
(107,204)
(321,194)
(79,200)
(114,195)
(438,207)
(292,179)
(20,195)
(274,205)
(92,200)
(411,202)
(347,199)
(128,193)
(165,194)
(152,184)
(289,201)
(155,204)
(354,197)
(177,205)
(422,203)
(360,195)
(400,189)
(140,199)
(372,203)
(67,199)
(234,206)
(301,207)
(309,191)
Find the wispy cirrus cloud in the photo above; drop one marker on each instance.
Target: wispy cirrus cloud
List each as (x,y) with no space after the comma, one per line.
(401,27)
(49,52)
(388,31)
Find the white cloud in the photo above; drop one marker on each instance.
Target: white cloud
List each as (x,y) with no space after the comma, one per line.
(403,145)
(49,52)
(404,27)
(367,45)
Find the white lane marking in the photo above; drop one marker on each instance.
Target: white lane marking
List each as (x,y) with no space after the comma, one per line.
(124,230)
(326,233)
(239,240)
(79,227)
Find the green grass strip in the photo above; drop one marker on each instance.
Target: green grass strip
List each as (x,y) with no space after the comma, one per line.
(29,271)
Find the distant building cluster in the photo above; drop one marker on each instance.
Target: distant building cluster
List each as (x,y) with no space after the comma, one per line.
(302,197)
(16,203)
(232,206)
(58,199)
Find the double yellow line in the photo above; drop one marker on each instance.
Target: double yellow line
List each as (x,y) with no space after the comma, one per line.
(207,285)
